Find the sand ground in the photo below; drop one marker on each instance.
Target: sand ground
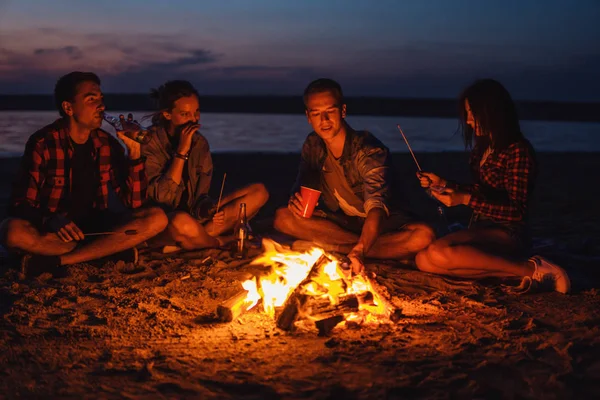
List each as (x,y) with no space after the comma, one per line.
(118,330)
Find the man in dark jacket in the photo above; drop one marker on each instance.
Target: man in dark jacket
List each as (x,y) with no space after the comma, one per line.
(351,169)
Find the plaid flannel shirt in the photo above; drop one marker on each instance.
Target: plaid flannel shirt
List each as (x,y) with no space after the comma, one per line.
(42,189)
(503,184)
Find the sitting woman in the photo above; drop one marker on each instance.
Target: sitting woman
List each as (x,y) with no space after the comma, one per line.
(504,168)
(179,168)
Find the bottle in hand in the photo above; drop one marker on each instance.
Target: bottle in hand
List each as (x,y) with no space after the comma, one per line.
(130,128)
(242,230)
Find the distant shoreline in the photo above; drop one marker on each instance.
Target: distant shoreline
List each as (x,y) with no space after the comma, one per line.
(432,108)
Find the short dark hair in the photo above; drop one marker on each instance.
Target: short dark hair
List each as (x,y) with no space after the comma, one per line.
(66,87)
(324,85)
(167,94)
(494,111)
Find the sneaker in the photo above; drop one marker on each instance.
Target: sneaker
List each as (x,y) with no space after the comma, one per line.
(547,272)
(33,265)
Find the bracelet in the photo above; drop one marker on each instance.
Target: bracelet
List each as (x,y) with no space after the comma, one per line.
(182,156)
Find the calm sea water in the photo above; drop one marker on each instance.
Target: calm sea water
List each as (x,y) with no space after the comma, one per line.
(286,133)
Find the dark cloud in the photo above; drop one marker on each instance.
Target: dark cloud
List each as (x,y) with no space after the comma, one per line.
(418,70)
(71,52)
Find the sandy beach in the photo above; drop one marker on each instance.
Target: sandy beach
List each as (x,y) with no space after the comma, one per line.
(149,331)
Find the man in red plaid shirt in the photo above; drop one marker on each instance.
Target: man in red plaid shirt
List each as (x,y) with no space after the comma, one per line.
(70,172)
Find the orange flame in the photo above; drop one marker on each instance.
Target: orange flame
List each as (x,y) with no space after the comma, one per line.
(289,268)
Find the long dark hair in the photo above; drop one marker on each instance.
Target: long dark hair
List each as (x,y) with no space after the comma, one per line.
(494,113)
(166,95)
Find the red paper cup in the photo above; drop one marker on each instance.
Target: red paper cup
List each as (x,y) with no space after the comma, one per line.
(309,200)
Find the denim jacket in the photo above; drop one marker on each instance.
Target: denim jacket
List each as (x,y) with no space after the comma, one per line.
(159,155)
(366,165)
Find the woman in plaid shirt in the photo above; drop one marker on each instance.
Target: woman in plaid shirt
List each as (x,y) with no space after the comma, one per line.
(503,167)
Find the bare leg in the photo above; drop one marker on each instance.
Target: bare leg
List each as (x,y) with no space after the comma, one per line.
(255,196)
(396,245)
(474,253)
(148,222)
(315,229)
(22,236)
(402,244)
(187,232)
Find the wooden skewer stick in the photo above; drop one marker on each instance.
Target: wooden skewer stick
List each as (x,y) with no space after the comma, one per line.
(409,148)
(127,232)
(221,194)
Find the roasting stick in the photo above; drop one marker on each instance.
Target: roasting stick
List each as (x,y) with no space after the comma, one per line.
(221,194)
(409,148)
(439,207)
(127,232)
(212,229)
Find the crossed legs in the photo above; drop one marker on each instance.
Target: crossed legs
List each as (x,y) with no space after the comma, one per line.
(188,233)
(21,235)
(402,244)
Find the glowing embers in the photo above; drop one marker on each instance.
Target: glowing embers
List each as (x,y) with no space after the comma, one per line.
(310,285)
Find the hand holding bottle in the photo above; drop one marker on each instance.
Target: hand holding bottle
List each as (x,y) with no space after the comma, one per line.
(128,127)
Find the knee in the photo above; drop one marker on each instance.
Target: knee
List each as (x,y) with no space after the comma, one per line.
(260,193)
(182,224)
(157,219)
(423,235)
(15,233)
(439,254)
(283,219)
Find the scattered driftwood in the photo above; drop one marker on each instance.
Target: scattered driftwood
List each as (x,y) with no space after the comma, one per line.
(233,307)
(297,299)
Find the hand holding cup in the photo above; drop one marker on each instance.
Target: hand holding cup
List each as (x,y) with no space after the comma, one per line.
(303,203)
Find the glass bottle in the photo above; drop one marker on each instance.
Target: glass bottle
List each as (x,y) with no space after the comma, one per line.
(130,128)
(242,231)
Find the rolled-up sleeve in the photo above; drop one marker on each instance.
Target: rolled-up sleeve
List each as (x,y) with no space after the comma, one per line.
(374,169)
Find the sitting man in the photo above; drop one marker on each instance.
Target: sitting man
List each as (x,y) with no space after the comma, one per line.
(180,168)
(61,193)
(351,169)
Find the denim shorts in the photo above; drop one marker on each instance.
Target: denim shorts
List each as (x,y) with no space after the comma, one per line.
(519,233)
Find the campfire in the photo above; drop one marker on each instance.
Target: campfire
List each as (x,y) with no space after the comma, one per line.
(311,286)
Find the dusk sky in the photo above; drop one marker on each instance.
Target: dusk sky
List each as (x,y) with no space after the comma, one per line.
(540,49)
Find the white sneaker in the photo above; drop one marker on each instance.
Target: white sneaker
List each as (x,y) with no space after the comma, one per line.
(547,272)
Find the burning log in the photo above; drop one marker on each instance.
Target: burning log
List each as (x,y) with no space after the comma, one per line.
(328,316)
(321,308)
(233,307)
(325,326)
(298,299)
